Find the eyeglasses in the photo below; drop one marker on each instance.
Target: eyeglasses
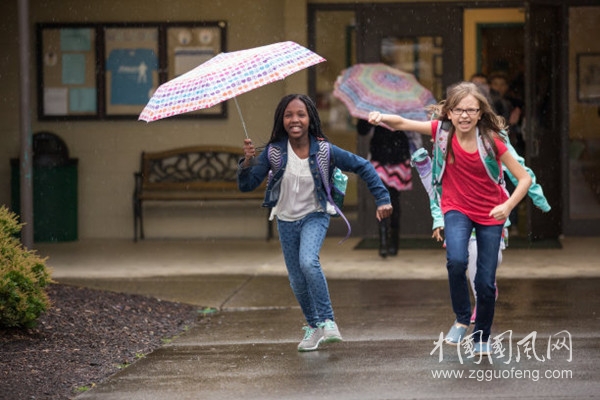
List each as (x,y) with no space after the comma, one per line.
(469,111)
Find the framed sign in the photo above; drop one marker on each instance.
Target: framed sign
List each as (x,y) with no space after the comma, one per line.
(188,46)
(111,70)
(67,72)
(131,68)
(588,78)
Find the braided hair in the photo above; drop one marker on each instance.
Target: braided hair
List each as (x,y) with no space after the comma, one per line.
(314,127)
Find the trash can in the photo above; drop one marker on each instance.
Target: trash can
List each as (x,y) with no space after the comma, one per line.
(54,189)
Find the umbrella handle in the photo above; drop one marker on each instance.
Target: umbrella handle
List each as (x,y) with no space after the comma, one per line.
(241,117)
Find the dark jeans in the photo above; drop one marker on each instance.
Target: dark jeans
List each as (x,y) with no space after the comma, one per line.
(458,228)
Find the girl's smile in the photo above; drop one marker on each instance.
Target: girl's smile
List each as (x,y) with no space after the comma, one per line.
(296,120)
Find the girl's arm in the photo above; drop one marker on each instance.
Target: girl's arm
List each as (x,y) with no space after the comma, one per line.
(502,211)
(535,191)
(399,123)
(252,170)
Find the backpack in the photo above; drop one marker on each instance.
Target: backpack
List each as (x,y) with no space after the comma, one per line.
(335,188)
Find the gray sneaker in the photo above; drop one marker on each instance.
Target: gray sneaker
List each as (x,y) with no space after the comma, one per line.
(312,339)
(331,333)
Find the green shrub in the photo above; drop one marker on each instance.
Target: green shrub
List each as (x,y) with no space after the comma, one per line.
(23,277)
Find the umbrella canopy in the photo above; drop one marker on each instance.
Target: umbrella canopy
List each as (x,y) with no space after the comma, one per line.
(225,76)
(378,87)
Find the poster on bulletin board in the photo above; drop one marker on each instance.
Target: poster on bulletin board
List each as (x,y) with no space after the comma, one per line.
(130,69)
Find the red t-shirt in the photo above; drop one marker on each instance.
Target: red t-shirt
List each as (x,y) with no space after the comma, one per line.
(466,186)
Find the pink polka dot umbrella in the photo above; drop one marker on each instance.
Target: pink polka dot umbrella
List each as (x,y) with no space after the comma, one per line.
(226,76)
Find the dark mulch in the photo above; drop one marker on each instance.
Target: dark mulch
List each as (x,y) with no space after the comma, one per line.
(87,336)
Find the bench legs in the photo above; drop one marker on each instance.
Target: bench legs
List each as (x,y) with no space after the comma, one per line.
(138,219)
(135,220)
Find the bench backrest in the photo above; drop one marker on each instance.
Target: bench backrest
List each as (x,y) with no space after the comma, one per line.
(188,168)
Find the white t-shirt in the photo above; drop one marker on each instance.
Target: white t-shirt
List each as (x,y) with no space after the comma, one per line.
(297,195)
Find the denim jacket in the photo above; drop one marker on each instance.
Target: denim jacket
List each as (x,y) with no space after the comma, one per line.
(250,178)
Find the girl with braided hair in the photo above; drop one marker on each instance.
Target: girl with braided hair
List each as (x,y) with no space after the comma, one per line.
(297,195)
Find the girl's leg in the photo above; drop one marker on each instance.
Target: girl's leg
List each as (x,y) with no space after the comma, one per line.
(472,269)
(488,246)
(499,262)
(314,229)
(383,237)
(289,237)
(458,231)
(394,235)
(472,264)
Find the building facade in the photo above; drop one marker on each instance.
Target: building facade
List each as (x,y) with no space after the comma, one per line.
(546,47)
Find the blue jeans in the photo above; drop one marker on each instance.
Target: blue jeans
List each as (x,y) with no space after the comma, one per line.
(301,242)
(458,228)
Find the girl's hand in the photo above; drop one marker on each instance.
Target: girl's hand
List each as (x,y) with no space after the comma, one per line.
(249,152)
(383,211)
(437,234)
(375,117)
(500,212)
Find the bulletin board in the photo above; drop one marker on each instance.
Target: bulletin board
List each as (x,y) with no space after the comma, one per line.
(67,62)
(110,70)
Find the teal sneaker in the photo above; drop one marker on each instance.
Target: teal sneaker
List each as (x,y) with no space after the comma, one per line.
(482,349)
(331,333)
(456,334)
(312,338)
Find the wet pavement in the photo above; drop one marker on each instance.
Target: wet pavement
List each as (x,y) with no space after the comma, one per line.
(548,326)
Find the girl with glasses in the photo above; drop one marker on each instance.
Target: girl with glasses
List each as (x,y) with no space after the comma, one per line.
(467,144)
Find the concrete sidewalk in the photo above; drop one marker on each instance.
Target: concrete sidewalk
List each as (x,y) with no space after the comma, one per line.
(390,313)
(122,258)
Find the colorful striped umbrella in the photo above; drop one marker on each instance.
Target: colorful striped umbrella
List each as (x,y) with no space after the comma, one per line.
(378,87)
(225,76)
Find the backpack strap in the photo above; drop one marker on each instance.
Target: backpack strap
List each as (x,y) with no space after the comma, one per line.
(274,153)
(324,164)
(488,158)
(440,149)
(275,160)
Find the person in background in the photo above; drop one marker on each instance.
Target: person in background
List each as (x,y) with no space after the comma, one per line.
(508,107)
(298,198)
(389,153)
(481,80)
(466,144)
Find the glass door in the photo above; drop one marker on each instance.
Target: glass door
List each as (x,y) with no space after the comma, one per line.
(426,42)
